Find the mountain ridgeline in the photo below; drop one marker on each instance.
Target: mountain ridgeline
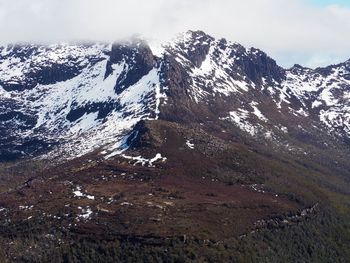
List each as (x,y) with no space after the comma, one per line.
(205,152)
(51,94)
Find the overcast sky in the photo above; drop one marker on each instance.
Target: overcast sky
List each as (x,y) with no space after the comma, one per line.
(309,32)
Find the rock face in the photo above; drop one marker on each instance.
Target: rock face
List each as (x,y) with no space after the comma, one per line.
(69,100)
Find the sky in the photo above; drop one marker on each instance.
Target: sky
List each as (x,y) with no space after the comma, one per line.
(308,32)
(330,2)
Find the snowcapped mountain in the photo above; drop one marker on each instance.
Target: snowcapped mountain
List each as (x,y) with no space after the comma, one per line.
(323,92)
(82,96)
(69,100)
(208,150)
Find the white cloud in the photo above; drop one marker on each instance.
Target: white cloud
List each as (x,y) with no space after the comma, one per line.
(289,30)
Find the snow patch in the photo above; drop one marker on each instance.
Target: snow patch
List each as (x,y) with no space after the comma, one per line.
(86,213)
(145,161)
(240,117)
(316,104)
(302,112)
(79,193)
(257,112)
(189,144)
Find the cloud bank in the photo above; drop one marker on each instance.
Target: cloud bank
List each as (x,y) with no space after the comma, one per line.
(291,31)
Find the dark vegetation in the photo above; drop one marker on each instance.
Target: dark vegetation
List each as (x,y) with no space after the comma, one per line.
(218,202)
(323,237)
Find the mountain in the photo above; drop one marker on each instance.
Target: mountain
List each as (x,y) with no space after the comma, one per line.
(204,150)
(55,95)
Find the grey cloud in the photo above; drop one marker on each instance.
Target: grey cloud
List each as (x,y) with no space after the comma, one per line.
(289,30)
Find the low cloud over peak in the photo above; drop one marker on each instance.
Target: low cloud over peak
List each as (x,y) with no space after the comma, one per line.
(290,31)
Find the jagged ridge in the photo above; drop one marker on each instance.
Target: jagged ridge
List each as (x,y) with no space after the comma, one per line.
(69,100)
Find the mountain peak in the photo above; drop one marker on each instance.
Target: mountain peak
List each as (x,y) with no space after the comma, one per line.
(190,40)
(199,76)
(194,35)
